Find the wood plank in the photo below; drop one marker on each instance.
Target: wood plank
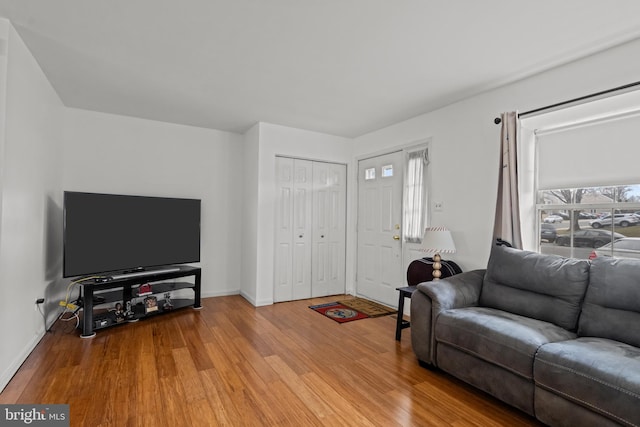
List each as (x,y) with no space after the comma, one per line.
(313,402)
(234,364)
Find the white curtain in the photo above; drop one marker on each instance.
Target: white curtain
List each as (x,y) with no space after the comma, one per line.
(507,220)
(415,197)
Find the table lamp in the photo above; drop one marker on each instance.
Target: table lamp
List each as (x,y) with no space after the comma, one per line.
(437,240)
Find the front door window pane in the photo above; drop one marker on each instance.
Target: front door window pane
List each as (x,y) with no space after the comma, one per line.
(370,174)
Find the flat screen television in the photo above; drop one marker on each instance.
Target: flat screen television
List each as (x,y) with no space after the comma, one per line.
(106,233)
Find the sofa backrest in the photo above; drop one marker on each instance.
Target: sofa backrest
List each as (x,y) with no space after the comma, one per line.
(611,306)
(540,286)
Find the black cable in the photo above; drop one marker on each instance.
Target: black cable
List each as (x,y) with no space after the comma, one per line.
(44,319)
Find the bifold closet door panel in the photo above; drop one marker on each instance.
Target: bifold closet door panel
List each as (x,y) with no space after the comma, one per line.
(329,229)
(293,229)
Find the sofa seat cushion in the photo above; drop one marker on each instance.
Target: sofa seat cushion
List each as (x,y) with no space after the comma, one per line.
(499,337)
(596,373)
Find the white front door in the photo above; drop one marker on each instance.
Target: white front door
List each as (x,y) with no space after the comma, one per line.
(380,271)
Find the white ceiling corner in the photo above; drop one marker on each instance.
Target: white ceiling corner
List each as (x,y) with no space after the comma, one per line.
(339,67)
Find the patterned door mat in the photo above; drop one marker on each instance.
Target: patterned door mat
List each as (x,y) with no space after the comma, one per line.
(338,312)
(370,308)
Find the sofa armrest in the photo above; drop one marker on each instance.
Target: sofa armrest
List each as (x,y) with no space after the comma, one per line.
(461,290)
(431,298)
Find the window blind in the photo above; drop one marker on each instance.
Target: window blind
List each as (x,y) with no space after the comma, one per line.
(595,153)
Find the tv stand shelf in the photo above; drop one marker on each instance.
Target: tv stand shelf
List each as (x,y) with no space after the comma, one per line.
(93,294)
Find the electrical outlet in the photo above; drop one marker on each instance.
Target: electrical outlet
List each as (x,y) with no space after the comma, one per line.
(438,206)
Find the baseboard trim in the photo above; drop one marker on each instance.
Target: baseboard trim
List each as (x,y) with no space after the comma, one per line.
(254,302)
(219,294)
(11,370)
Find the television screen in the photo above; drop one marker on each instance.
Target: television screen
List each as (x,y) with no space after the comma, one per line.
(109,232)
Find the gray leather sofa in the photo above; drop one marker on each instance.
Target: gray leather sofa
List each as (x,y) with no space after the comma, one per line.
(558,338)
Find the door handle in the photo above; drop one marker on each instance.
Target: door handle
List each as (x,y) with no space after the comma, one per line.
(396,237)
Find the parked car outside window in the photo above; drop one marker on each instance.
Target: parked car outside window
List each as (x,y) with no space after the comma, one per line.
(587,215)
(623,220)
(588,238)
(548,232)
(627,247)
(553,219)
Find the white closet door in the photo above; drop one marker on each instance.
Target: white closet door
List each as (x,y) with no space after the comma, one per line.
(329,207)
(310,229)
(293,229)
(283,287)
(302,230)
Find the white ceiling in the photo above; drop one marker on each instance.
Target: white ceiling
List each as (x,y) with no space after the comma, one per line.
(343,67)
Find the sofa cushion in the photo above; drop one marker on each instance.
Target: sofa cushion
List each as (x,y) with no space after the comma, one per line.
(511,388)
(544,287)
(501,338)
(596,373)
(612,303)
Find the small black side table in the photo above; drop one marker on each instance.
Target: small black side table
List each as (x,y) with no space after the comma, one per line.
(401,324)
(420,270)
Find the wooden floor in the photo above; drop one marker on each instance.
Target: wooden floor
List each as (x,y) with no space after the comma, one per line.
(233,364)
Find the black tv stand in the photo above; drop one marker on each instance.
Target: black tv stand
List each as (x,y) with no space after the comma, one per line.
(133,270)
(141,272)
(123,288)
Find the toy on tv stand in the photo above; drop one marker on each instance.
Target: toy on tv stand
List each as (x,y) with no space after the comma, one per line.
(129,314)
(150,304)
(144,290)
(167,301)
(121,315)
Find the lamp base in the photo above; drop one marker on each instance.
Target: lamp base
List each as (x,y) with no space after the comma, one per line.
(436,267)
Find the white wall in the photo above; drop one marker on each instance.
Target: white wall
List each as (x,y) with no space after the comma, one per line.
(107,153)
(273,140)
(30,183)
(250,213)
(465,141)
(46,148)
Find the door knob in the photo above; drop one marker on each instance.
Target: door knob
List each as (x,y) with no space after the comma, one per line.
(396,237)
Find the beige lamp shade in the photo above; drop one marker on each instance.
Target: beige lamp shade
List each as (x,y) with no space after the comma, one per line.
(438,240)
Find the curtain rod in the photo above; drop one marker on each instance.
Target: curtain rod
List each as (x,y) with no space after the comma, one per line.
(498,120)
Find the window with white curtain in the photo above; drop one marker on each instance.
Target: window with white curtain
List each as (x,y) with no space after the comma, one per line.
(588,177)
(415,195)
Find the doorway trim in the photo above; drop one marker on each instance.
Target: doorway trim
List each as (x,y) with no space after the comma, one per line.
(414,145)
